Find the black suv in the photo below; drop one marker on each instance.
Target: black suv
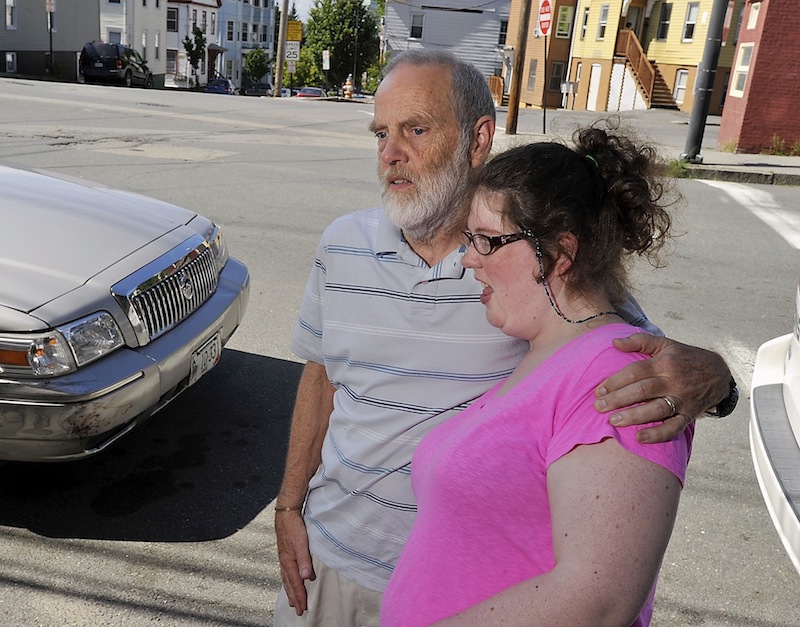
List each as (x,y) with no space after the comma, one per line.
(102,62)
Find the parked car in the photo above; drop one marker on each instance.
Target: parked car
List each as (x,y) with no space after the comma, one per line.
(286,92)
(259,89)
(221,86)
(311,92)
(111,304)
(775,432)
(114,63)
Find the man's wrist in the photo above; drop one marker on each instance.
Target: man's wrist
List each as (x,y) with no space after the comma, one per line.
(728,404)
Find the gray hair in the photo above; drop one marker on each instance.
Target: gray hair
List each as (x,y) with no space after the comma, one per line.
(470,95)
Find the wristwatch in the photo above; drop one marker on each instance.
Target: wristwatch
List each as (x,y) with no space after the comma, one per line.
(726,406)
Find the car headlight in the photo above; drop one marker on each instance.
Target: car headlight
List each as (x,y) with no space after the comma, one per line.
(218,247)
(62,350)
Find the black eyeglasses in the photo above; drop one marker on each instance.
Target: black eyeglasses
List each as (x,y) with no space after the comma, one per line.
(486,245)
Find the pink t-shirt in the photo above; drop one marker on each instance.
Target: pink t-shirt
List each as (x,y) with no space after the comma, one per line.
(483,521)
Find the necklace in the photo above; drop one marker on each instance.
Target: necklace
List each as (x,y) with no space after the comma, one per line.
(552,302)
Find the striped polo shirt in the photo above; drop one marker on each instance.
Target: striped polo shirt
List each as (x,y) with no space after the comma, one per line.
(406,346)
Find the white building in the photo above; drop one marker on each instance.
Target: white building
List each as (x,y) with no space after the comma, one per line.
(244,25)
(475,32)
(140,24)
(181,18)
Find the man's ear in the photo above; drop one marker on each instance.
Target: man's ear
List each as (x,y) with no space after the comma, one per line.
(482,135)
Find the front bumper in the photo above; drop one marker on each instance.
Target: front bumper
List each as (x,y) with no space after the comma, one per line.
(773,443)
(82,413)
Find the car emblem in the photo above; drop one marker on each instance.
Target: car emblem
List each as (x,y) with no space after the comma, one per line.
(186,286)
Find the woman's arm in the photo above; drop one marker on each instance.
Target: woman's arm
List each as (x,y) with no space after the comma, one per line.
(612,515)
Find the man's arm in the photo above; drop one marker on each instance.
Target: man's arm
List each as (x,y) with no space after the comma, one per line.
(694,379)
(312,411)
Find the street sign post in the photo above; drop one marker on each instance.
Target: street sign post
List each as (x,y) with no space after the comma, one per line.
(292,50)
(545,17)
(545,20)
(294,30)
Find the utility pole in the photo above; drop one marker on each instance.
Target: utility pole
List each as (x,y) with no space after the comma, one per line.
(519,64)
(276,93)
(705,83)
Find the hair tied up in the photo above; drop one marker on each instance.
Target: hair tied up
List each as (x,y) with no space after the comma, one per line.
(593,160)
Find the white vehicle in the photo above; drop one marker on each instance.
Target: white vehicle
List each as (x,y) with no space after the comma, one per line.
(775,432)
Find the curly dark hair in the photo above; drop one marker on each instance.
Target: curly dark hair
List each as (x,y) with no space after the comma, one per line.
(608,191)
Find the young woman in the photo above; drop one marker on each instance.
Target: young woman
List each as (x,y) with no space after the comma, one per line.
(532,508)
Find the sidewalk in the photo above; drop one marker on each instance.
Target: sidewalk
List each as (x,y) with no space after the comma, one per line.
(668,130)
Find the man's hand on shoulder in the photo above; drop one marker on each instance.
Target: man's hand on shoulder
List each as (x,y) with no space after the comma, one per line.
(675,386)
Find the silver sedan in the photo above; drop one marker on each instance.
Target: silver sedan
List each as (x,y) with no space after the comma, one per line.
(111,304)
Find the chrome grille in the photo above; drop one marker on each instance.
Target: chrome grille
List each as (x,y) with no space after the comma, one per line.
(168,290)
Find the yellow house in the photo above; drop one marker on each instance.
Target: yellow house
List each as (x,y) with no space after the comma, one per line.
(625,54)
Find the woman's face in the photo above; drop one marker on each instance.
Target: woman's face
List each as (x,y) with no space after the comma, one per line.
(515,302)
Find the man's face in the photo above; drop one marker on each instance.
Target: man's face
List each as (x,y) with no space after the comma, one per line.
(423,166)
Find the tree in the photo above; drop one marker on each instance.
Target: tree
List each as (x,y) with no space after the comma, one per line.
(349,31)
(195,48)
(256,64)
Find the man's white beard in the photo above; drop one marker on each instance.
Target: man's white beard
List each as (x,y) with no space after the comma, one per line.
(435,203)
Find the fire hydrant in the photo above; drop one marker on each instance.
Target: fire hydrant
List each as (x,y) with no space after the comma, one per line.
(348,87)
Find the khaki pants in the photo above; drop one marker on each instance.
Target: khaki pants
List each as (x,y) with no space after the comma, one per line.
(333,601)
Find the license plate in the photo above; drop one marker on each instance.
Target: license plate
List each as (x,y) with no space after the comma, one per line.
(205,358)
(98,64)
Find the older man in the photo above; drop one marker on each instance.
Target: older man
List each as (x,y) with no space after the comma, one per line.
(396,341)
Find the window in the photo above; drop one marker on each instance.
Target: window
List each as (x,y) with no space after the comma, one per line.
(158,4)
(532,74)
(172,20)
(228,67)
(194,17)
(204,22)
(556,76)
(501,40)
(264,32)
(681,79)
(663,21)
(144,3)
(416,25)
(244,31)
(172,61)
(691,21)
(11,16)
(601,27)
(741,69)
(585,23)
(157,44)
(256,3)
(114,1)
(752,18)
(564,22)
(11,62)
(213,23)
(229,35)
(114,36)
(144,43)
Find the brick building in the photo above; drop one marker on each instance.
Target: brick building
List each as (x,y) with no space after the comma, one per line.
(764,91)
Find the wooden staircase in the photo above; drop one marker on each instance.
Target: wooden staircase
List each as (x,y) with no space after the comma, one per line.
(662,95)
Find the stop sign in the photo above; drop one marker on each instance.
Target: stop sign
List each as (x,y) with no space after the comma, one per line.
(545,12)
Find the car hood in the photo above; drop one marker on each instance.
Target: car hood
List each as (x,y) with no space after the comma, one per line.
(58,232)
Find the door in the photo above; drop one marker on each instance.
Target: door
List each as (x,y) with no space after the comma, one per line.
(594,86)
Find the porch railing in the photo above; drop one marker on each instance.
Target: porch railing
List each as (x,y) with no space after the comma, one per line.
(628,46)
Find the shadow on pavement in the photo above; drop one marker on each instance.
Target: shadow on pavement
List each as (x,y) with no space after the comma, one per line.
(201,469)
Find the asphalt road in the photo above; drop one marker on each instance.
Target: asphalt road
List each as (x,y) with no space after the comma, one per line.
(173,525)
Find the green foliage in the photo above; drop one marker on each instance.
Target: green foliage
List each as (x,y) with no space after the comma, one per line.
(256,64)
(349,31)
(677,169)
(307,71)
(779,147)
(195,48)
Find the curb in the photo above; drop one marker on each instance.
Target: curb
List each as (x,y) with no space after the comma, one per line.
(740,175)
